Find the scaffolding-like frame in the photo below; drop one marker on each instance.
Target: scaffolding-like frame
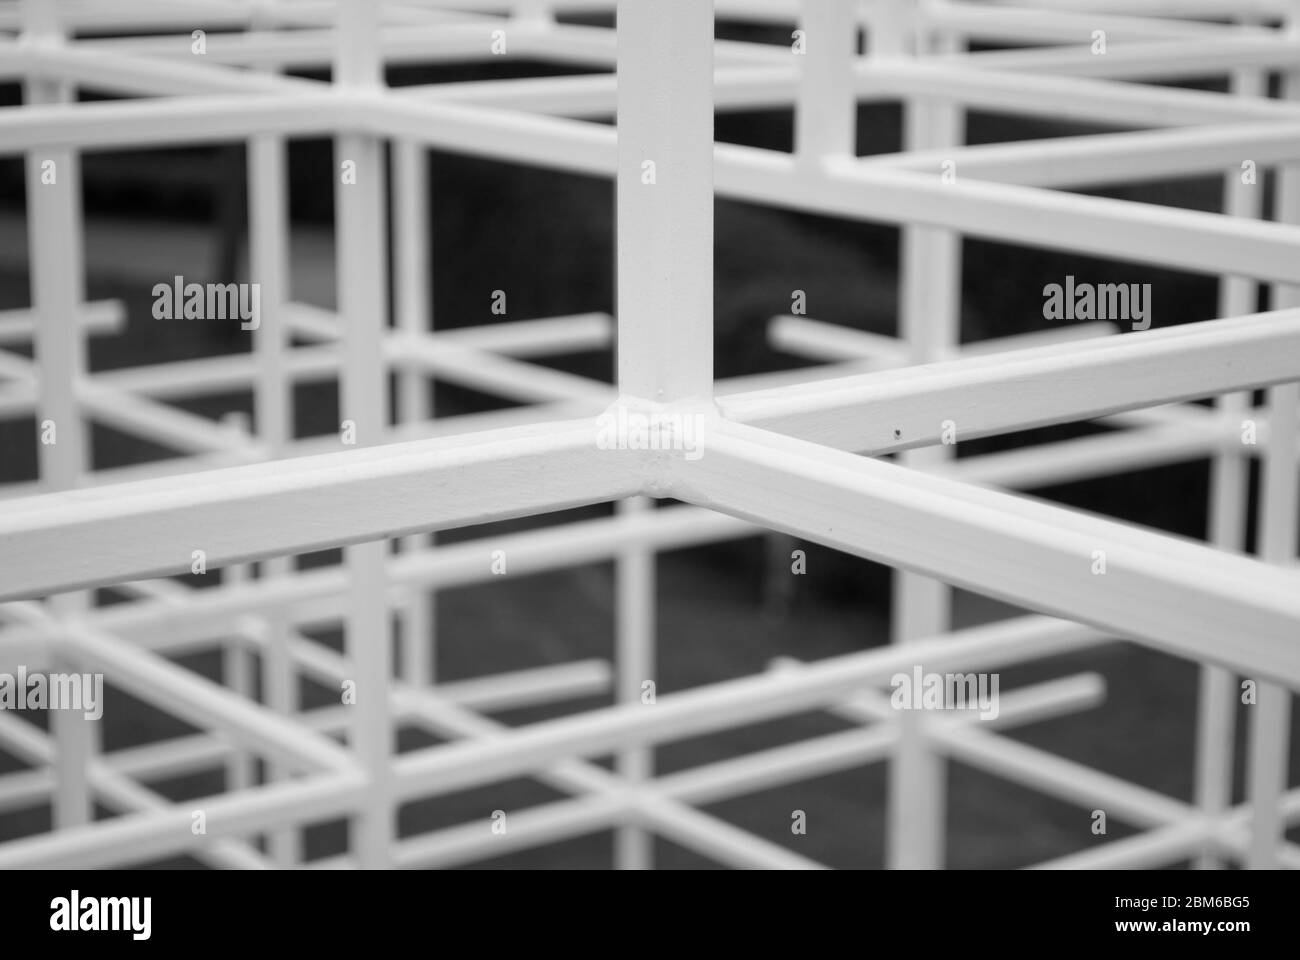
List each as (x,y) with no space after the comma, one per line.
(790,452)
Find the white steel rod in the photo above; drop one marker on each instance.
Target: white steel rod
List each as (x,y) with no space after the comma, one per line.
(329,668)
(443,355)
(835,342)
(517,338)
(890,514)
(311,593)
(165,684)
(210,614)
(930,323)
(504,376)
(897,409)
(147,835)
(93,317)
(245,452)
(150,528)
(635,642)
(268,267)
(98,67)
(361,261)
(665,200)
(229,373)
(826,111)
(151,15)
(1109,158)
(237,670)
(664,290)
(595,95)
(776,86)
(198,753)
(1180,238)
(1158,847)
(1025,216)
(1165,845)
(413,284)
(1269,748)
(719,839)
(1269,745)
(1059,97)
(164,424)
(1160,441)
(705,834)
(1209,9)
(1147,60)
(1229,496)
(57,272)
(1007,24)
(121,792)
(440,770)
(189,120)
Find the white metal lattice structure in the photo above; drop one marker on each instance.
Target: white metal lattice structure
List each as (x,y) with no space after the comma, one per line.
(788,452)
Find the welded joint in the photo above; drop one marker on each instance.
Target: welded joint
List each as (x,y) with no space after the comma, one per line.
(352,111)
(662,436)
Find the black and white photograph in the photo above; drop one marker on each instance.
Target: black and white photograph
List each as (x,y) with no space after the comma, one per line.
(650,435)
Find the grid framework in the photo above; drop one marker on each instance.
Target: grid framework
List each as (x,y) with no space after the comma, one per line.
(796,452)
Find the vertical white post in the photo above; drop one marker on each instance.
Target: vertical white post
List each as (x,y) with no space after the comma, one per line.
(635,663)
(268,267)
(360,242)
(536,11)
(930,321)
(665,199)
(413,287)
(825,114)
(1279,513)
(237,674)
(889,28)
(665,286)
(1229,492)
(54,232)
(1269,754)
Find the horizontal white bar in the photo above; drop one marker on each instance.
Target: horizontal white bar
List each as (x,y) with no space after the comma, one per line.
(1117,229)
(1024,25)
(440,770)
(112,125)
(1020,390)
(1110,158)
(95,317)
(114,790)
(1109,103)
(188,695)
(139,837)
(518,338)
(835,342)
(195,753)
(1178,595)
(151,528)
(1179,238)
(1158,60)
